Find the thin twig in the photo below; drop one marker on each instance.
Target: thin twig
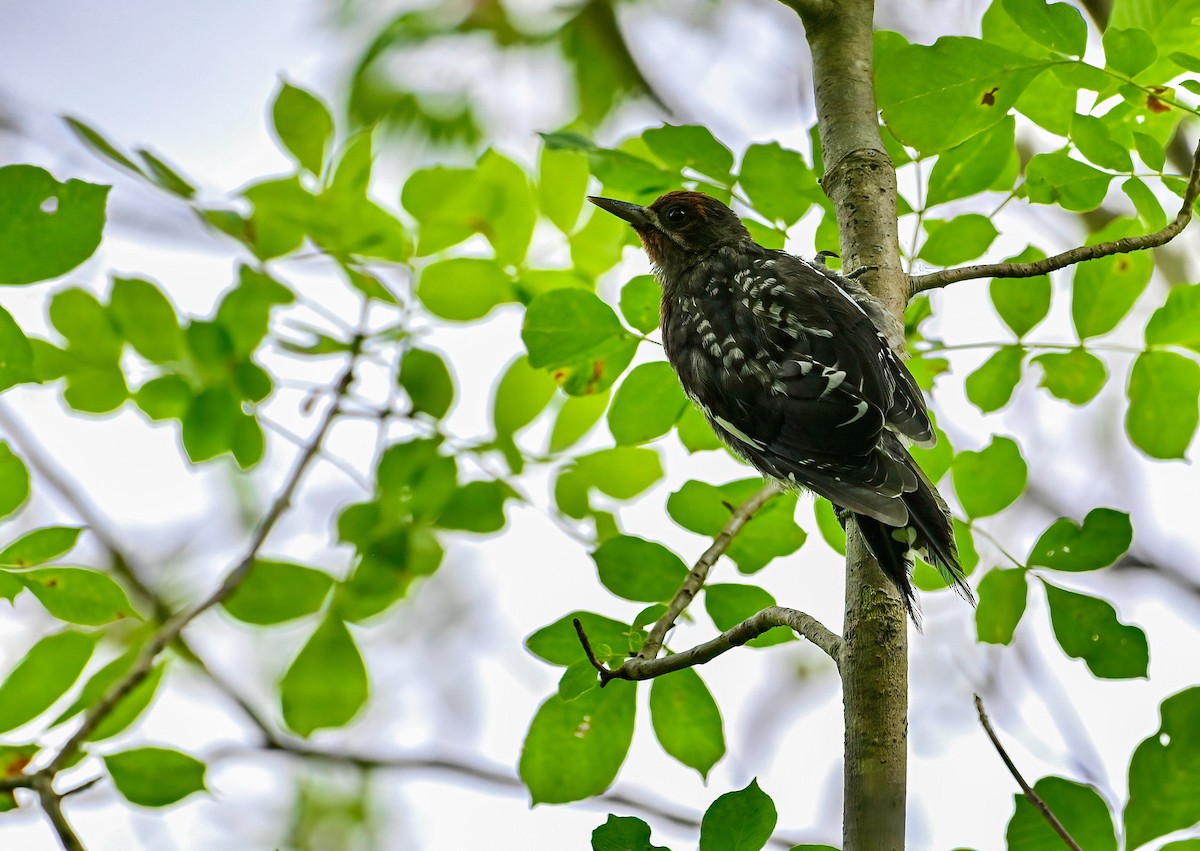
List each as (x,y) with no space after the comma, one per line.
(51,803)
(174,626)
(699,573)
(638,668)
(931,281)
(1030,795)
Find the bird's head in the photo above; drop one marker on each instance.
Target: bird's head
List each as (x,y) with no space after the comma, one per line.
(679,226)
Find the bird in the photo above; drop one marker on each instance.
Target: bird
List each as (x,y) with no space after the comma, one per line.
(789,363)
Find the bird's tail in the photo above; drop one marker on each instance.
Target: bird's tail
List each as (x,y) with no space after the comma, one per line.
(929,530)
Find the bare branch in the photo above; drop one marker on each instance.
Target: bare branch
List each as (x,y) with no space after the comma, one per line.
(806,625)
(1030,795)
(51,803)
(699,573)
(174,626)
(921,283)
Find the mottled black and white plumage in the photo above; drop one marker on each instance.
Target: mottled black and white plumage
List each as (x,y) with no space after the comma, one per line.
(787,361)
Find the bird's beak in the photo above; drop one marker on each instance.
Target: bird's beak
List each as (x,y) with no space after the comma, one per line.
(635,214)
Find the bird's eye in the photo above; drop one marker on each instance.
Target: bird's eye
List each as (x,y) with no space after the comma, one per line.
(677,216)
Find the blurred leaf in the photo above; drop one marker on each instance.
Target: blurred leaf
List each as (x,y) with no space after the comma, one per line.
(827,523)
(956,241)
(739,821)
(574,749)
(40,546)
(563,325)
(100,145)
(990,480)
(303,125)
(127,708)
(1164,397)
(1149,209)
(14,481)
(595,48)
(647,404)
(1087,628)
(427,381)
(991,386)
(934,460)
(623,833)
(164,398)
(326,685)
(208,425)
(282,210)
(78,316)
(155,777)
(147,319)
(47,228)
(476,507)
(1021,301)
(599,244)
(558,643)
(686,720)
(622,472)
(1128,51)
(521,395)
(695,433)
(14,759)
(42,676)
(77,595)
(165,177)
(639,570)
(1164,772)
(728,604)
(1172,26)
(245,311)
(1002,599)
(1075,376)
(1079,808)
(1102,539)
(562,182)
(936,96)
(1105,290)
(987,160)
(771,533)
(16,353)
(778,182)
(1177,322)
(577,416)
(275,592)
(640,300)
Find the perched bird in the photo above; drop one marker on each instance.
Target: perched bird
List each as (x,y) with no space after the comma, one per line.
(788,362)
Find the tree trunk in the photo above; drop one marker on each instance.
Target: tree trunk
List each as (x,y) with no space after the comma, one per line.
(861,181)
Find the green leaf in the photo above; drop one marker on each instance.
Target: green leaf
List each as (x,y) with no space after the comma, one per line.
(96,389)
(14,481)
(47,228)
(1149,209)
(1075,376)
(1092,139)
(639,570)
(937,96)
(1002,599)
(647,404)
(690,146)
(827,523)
(576,418)
(463,289)
(778,182)
(574,749)
(739,821)
(1057,26)
(1105,290)
(42,676)
(77,595)
(1164,389)
(147,319)
(562,182)
(686,720)
(1057,179)
(14,759)
(934,460)
(599,244)
(427,381)
(40,546)
(303,125)
(623,472)
(623,833)
(1129,51)
(990,480)
(476,507)
(326,684)
(1087,628)
(1164,773)
(991,386)
(164,398)
(1049,101)
(729,604)
(1021,302)
(1177,322)
(1104,537)
(1150,150)
(558,643)
(155,777)
(577,679)
(771,533)
(562,326)
(127,708)
(987,160)
(16,353)
(164,176)
(956,241)
(245,311)
(695,433)
(1079,808)
(640,300)
(209,423)
(283,209)
(100,145)
(521,395)
(275,592)
(78,316)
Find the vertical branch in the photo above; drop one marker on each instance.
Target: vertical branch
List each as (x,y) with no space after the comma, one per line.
(861,181)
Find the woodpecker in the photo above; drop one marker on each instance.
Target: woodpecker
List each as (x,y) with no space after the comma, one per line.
(789,364)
